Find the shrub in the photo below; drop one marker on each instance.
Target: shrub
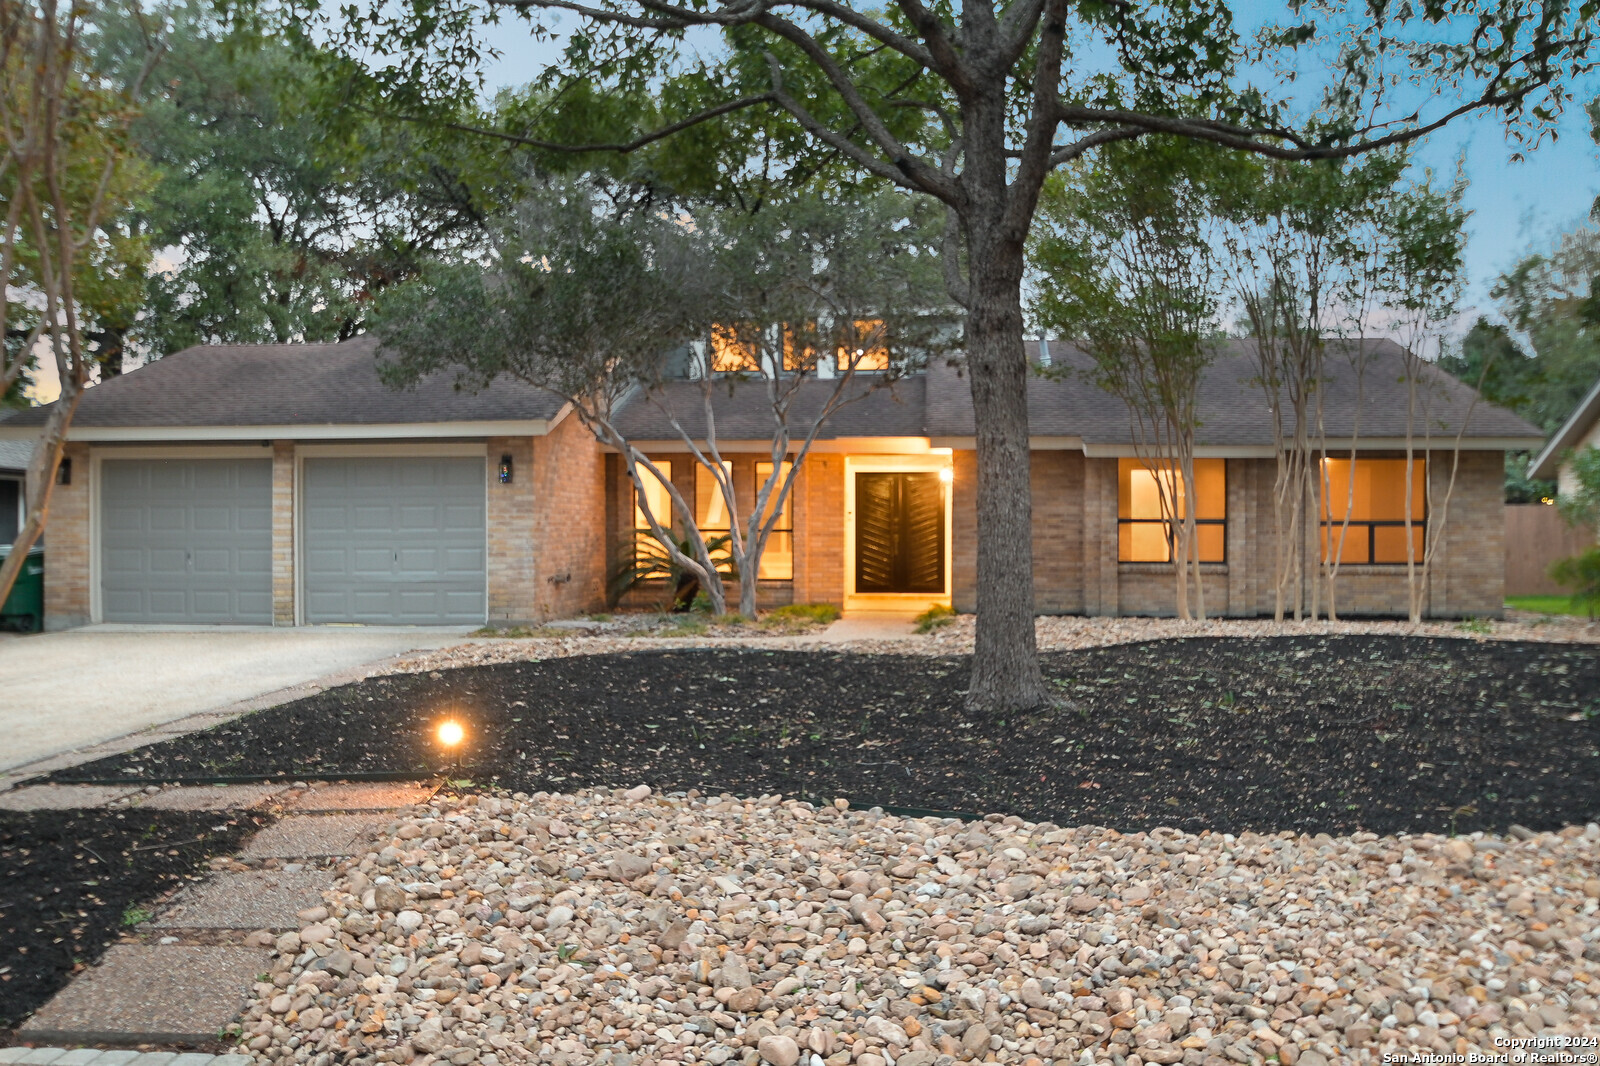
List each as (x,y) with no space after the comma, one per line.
(1581,574)
(825,613)
(934,617)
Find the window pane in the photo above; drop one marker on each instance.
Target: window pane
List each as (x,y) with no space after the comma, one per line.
(800,347)
(865,345)
(1142,542)
(1139,494)
(1211,488)
(763,472)
(1354,542)
(734,348)
(777,561)
(710,505)
(1390,543)
(1213,543)
(1379,490)
(655,495)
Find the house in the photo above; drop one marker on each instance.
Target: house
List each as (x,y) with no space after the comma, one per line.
(14,458)
(1580,430)
(285,485)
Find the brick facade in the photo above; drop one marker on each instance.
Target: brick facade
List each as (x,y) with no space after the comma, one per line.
(66,557)
(566,522)
(283,485)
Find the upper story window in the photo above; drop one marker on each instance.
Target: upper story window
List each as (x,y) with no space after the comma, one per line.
(1371,493)
(1145,532)
(734,348)
(866,345)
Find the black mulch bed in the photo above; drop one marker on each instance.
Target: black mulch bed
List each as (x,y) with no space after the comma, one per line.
(1305,733)
(70,881)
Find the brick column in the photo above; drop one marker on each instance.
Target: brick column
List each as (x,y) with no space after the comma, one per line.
(67,551)
(283,487)
(510,564)
(964,531)
(1100,537)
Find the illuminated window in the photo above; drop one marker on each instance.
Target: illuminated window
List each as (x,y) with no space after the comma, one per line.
(711,513)
(1374,500)
(655,495)
(777,561)
(1145,530)
(734,349)
(799,350)
(866,346)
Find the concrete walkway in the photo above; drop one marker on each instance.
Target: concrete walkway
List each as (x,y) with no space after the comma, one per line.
(181,978)
(867,625)
(81,687)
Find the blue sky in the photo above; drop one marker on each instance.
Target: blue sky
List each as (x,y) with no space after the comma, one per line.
(1516,206)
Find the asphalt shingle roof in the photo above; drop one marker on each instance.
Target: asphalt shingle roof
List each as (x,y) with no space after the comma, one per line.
(289,385)
(742,410)
(1233,409)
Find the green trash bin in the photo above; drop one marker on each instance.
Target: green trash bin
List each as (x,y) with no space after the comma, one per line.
(23,611)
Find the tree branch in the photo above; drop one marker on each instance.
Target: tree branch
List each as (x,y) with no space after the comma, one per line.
(621,147)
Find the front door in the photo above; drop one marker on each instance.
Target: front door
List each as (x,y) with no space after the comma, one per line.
(900,532)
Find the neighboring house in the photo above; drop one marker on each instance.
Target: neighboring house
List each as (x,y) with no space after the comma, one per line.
(1580,430)
(284,484)
(14,458)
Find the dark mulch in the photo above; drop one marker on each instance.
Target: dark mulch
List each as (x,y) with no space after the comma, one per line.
(1303,733)
(71,881)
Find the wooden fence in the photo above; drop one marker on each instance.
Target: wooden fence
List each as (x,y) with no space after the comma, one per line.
(1536,536)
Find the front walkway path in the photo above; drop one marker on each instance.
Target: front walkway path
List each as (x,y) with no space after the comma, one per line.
(183,976)
(83,687)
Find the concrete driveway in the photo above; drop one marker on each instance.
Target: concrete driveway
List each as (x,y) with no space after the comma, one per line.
(64,691)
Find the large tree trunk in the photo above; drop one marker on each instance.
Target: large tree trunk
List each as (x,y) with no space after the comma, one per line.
(1005,665)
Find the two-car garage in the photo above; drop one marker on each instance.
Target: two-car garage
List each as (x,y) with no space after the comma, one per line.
(381,539)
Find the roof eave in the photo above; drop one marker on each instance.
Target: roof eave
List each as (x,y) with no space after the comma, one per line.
(1546,465)
(330,431)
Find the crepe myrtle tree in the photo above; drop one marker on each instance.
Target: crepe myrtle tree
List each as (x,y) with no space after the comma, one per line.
(815,305)
(973,103)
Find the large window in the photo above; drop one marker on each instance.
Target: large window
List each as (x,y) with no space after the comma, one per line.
(645,546)
(1372,495)
(777,561)
(1145,528)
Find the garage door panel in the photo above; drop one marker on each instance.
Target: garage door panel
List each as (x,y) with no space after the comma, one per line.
(395,540)
(186,540)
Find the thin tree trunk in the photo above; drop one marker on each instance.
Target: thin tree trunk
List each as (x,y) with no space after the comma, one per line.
(1005,663)
(41,482)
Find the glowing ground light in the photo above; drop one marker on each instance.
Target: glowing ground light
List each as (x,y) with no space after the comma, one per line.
(450,733)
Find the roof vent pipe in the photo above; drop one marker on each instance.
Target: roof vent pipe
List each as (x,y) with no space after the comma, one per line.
(1044,350)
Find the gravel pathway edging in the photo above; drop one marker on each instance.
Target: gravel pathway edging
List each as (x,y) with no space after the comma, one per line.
(624,929)
(60,1056)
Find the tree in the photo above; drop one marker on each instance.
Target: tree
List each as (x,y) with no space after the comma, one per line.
(280,212)
(607,306)
(65,174)
(1581,572)
(1508,377)
(1127,268)
(965,104)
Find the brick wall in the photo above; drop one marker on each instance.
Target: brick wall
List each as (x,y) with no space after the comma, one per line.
(511,517)
(567,523)
(1059,547)
(283,533)
(66,557)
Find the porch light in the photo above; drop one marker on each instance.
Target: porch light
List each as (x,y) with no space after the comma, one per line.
(947,474)
(451,733)
(505,469)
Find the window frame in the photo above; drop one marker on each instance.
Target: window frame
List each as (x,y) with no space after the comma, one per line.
(1372,525)
(1171,523)
(643,533)
(785,522)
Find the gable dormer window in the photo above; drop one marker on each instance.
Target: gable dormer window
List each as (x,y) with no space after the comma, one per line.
(866,346)
(734,349)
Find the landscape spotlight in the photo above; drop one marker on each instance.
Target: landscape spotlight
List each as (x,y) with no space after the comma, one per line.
(451,733)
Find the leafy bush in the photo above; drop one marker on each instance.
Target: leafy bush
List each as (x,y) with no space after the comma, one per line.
(1581,574)
(935,617)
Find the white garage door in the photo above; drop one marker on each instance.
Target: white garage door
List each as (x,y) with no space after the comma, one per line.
(394,541)
(186,541)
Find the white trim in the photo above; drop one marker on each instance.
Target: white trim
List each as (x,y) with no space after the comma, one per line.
(1573,429)
(854,464)
(1255,451)
(377,451)
(97,458)
(376,431)
(443,450)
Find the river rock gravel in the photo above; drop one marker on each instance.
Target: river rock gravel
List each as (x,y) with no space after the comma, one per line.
(628,929)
